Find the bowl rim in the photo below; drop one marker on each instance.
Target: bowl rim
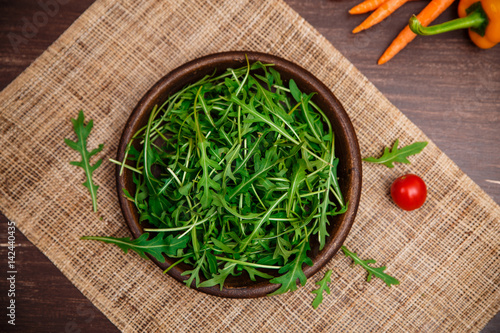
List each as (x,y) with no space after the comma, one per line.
(144,106)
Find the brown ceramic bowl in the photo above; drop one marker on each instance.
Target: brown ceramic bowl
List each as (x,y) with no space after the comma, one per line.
(346,148)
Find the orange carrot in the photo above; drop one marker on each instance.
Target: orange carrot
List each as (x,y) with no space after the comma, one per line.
(366,6)
(426,16)
(382,12)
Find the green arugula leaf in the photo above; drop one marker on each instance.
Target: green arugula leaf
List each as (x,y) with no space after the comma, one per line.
(157,246)
(297,178)
(82,133)
(281,249)
(127,195)
(276,76)
(149,156)
(206,109)
(397,155)
(294,90)
(307,115)
(325,204)
(231,155)
(194,274)
(335,183)
(184,189)
(252,272)
(323,286)
(265,166)
(220,277)
(206,182)
(250,153)
(259,117)
(261,220)
(372,271)
(212,263)
(293,271)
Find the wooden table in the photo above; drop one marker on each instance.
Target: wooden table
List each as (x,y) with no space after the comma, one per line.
(444,84)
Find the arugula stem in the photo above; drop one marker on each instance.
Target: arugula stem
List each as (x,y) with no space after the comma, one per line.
(244,263)
(174,264)
(123,165)
(175,176)
(189,227)
(129,145)
(262,220)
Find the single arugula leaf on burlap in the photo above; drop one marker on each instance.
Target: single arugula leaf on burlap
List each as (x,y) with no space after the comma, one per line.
(156,246)
(397,155)
(372,271)
(323,286)
(82,133)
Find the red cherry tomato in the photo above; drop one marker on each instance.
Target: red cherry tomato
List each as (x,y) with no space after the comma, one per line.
(409,192)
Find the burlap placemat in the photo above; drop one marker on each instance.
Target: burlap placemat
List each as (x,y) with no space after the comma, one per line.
(446,254)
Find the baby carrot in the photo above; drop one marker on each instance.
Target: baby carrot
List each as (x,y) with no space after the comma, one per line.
(426,16)
(382,12)
(366,6)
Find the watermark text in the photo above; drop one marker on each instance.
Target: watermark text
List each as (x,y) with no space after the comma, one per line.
(31,26)
(11,272)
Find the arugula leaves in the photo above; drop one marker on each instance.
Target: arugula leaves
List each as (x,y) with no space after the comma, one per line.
(82,133)
(397,155)
(372,271)
(323,286)
(235,173)
(156,246)
(293,271)
(218,279)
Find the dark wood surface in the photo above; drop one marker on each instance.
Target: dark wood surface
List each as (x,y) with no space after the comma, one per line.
(444,84)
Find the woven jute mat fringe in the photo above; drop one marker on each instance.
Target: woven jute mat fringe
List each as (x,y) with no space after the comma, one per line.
(446,255)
